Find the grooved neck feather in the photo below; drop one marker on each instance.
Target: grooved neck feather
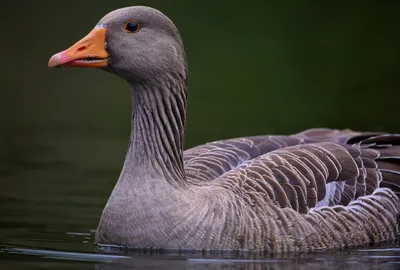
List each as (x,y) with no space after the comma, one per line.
(158,129)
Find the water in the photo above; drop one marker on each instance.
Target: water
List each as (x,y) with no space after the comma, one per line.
(113,258)
(53,188)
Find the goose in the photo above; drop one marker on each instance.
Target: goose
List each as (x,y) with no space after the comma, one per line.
(318,189)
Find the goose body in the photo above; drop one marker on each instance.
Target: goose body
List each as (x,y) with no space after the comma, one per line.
(318,189)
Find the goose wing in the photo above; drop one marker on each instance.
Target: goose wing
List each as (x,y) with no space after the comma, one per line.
(319,167)
(209,161)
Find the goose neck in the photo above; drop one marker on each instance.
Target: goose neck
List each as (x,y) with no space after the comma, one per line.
(157,131)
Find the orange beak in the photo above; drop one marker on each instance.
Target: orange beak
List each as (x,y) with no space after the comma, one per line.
(90,51)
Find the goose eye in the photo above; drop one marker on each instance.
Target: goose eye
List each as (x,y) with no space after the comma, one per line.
(131,27)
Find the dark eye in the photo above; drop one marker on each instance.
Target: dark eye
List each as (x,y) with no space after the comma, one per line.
(131,27)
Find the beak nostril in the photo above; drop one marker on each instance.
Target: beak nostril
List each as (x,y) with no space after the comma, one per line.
(81,48)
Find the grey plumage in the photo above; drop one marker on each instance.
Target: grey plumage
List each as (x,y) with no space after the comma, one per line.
(318,189)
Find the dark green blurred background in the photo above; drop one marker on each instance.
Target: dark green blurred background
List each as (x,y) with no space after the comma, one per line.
(256,67)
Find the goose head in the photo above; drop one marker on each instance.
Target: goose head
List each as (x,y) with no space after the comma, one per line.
(136,43)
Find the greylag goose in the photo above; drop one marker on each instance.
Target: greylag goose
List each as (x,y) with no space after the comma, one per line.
(318,189)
